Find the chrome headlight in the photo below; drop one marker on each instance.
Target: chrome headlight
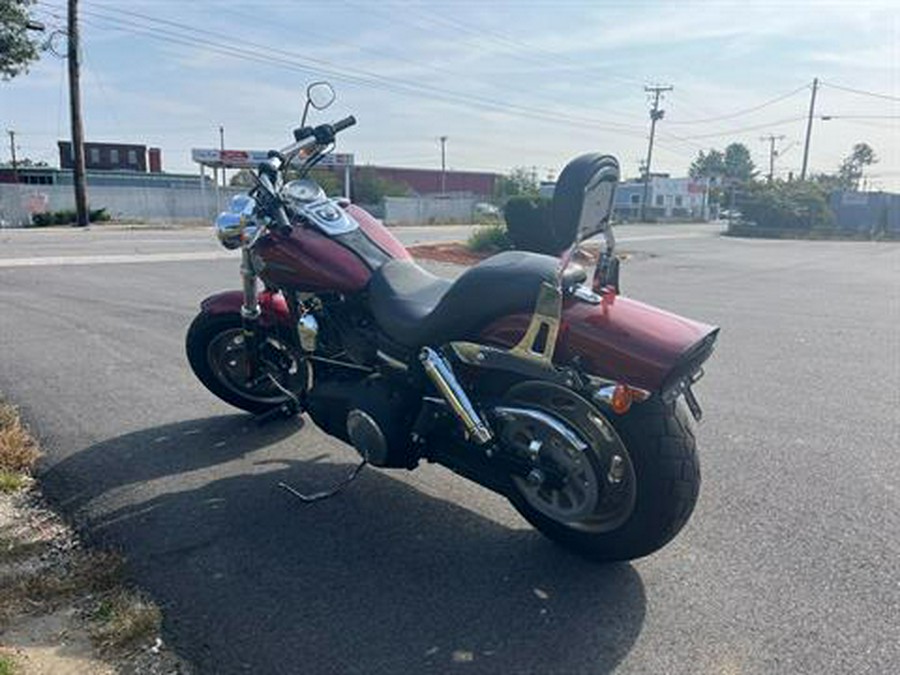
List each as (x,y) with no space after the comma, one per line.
(232,224)
(229,227)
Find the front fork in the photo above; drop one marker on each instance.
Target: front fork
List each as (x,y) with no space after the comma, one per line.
(250,314)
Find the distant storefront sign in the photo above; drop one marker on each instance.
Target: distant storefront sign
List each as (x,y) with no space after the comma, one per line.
(250,159)
(854,199)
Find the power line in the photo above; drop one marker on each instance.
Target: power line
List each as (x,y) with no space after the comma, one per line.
(520,48)
(744,111)
(861,92)
(755,127)
(353,75)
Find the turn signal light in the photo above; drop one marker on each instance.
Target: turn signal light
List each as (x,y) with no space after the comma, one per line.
(622,399)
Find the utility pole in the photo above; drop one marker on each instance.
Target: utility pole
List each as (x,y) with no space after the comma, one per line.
(655,115)
(812,110)
(443,165)
(222,151)
(771,138)
(12,153)
(78,173)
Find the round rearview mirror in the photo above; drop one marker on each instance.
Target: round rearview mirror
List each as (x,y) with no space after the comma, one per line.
(320,95)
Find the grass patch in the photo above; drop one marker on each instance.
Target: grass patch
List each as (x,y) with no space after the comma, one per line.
(490,239)
(7,665)
(18,450)
(10,481)
(123,619)
(89,573)
(12,549)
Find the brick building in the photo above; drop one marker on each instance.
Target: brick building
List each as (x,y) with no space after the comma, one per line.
(113,157)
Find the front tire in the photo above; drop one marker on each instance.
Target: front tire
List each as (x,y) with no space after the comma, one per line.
(661,460)
(217,356)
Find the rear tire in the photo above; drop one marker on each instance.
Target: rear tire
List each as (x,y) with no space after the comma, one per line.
(662,451)
(213,350)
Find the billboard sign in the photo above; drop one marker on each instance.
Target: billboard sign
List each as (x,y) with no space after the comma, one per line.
(250,159)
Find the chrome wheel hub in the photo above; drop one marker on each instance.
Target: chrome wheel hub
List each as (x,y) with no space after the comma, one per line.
(228,360)
(562,435)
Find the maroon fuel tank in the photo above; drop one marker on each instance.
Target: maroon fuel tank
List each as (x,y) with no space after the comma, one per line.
(620,339)
(308,260)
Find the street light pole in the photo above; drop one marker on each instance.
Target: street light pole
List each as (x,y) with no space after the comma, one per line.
(443,165)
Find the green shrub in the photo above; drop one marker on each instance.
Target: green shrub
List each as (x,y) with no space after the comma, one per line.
(796,206)
(490,239)
(67,217)
(528,221)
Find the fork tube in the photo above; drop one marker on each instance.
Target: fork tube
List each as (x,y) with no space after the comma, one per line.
(250,313)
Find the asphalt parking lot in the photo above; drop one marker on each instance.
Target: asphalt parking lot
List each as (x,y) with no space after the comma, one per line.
(789,564)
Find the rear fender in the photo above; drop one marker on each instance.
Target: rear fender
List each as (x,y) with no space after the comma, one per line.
(622,340)
(273,307)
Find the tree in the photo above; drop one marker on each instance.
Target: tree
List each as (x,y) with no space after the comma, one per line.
(521,181)
(367,187)
(17,48)
(734,164)
(242,179)
(327,180)
(738,165)
(851,170)
(26,163)
(708,165)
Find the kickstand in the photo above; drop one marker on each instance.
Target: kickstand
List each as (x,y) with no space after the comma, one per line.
(325,494)
(290,408)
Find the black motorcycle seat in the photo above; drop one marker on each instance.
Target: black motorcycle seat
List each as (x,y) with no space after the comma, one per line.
(414,307)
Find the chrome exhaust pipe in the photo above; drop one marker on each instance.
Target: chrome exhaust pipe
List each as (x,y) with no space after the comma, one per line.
(441,374)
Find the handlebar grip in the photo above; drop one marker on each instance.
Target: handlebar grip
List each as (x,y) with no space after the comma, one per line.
(345,123)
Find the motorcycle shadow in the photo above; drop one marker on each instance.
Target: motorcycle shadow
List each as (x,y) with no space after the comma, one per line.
(380,579)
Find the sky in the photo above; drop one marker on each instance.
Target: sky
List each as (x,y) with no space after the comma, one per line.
(510,84)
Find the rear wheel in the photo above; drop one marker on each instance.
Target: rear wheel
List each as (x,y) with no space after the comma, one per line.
(218,356)
(609,488)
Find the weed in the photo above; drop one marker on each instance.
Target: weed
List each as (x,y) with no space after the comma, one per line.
(123,619)
(89,573)
(18,451)
(10,481)
(489,238)
(12,549)
(7,665)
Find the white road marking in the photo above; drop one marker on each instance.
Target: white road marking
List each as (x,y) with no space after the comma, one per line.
(658,237)
(117,259)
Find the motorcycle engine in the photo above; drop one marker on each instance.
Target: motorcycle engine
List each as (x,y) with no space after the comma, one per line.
(370,414)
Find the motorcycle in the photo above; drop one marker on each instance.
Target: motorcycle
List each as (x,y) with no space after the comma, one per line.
(562,394)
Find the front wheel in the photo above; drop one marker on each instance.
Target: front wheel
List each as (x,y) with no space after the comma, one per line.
(218,356)
(625,485)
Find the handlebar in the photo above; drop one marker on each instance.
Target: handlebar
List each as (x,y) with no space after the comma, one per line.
(345,123)
(321,135)
(268,170)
